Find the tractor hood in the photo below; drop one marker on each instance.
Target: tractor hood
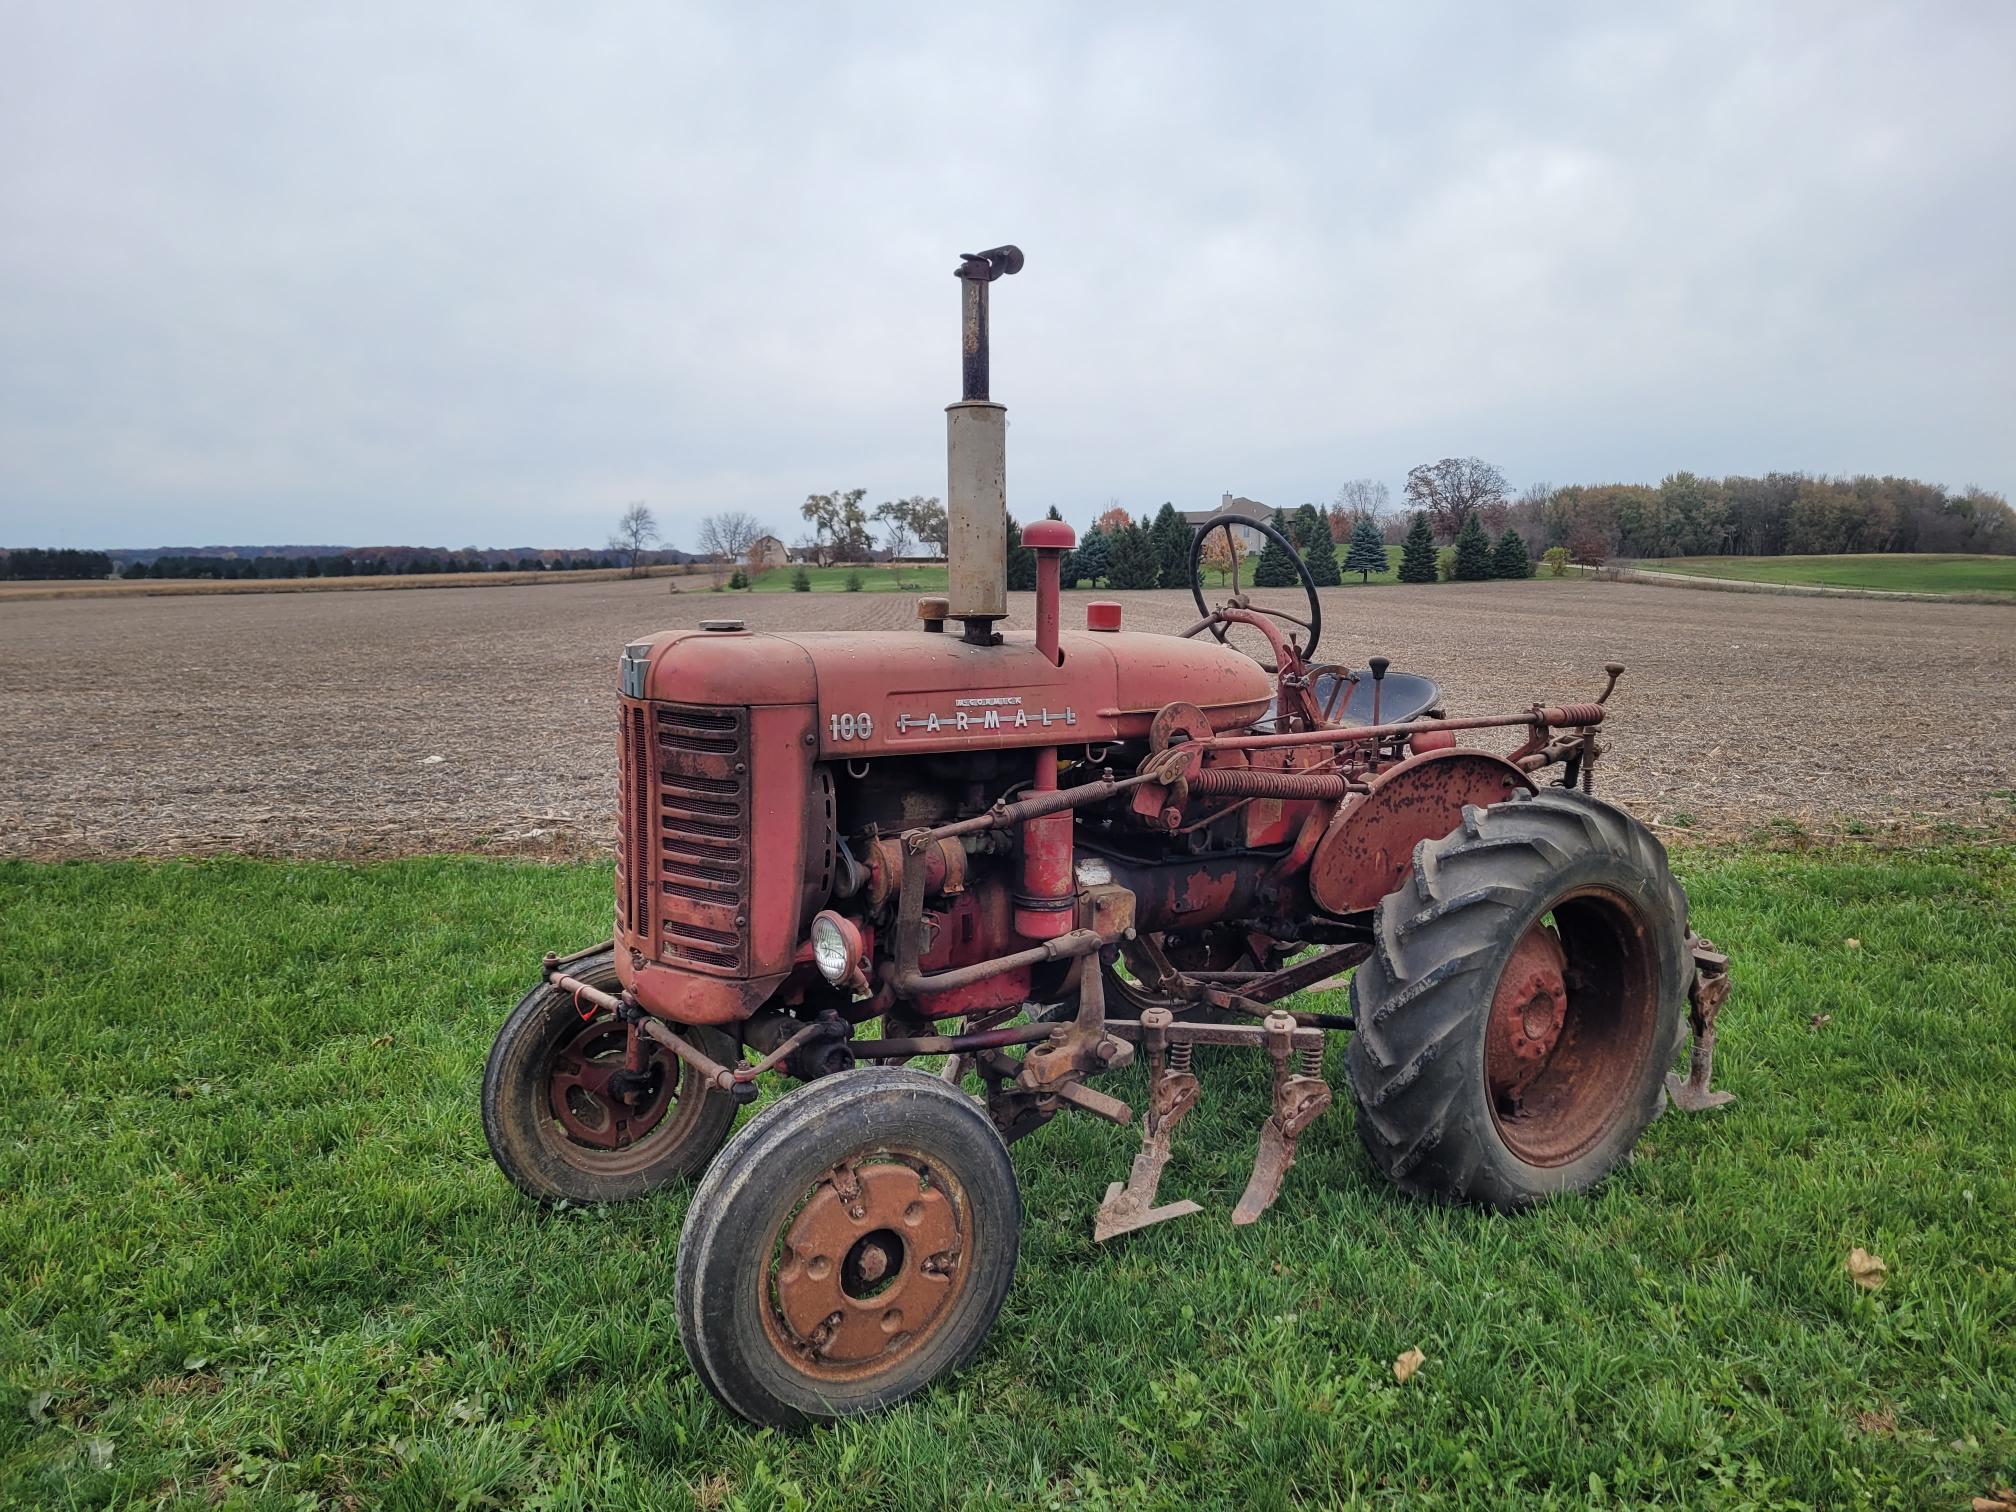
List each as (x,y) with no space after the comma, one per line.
(900,692)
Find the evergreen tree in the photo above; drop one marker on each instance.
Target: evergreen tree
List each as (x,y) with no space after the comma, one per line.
(1133,559)
(1367,553)
(1275,569)
(801,581)
(1319,552)
(1473,552)
(1021,560)
(1052,514)
(1172,547)
(1509,560)
(1417,553)
(1091,561)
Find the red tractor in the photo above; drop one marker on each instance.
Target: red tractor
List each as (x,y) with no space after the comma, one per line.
(1042,855)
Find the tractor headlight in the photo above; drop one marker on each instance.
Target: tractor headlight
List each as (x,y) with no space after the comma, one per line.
(835,947)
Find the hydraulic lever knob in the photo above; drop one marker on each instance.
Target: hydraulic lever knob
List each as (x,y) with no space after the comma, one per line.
(1379,664)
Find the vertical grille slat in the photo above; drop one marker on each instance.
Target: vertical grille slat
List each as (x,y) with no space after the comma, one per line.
(634,854)
(699,870)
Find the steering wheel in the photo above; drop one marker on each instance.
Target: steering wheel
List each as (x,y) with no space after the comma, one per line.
(1227,523)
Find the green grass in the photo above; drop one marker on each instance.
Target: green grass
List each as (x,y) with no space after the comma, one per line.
(1897,573)
(252,1247)
(874,579)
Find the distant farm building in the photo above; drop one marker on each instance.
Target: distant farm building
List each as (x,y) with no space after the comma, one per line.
(1252,509)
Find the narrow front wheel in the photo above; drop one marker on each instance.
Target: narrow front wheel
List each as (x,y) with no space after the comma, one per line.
(852,1245)
(566,1121)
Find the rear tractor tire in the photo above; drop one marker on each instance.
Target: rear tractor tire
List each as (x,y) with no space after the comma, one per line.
(563,1132)
(852,1245)
(1523,1001)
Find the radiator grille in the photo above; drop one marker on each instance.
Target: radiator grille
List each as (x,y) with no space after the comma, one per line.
(633,834)
(702,871)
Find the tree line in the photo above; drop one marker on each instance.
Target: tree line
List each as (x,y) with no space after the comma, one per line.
(1692,514)
(404,565)
(35,564)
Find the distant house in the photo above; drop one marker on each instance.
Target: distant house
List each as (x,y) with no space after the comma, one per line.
(766,552)
(1252,509)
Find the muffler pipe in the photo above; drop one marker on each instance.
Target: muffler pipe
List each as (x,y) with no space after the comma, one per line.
(976,449)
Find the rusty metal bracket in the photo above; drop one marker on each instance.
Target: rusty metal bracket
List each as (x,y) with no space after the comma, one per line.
(1300,1096)
(1705,995)
(1078,1048)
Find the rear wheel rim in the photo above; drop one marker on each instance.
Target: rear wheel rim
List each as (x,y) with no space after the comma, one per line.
(868,1266)
(1571,1027)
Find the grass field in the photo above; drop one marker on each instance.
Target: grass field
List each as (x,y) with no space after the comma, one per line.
(1894,573)
(254,1248)
(874,579)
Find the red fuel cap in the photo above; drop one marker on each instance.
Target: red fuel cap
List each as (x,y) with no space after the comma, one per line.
(1049,535)
(1102,614)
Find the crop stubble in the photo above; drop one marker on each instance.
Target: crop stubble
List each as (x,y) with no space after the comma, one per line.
(365,724)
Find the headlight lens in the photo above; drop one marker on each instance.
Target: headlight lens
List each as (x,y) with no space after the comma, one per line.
(832,950)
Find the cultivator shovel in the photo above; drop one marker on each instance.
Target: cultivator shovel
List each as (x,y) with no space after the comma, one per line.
(1172,1092)
(1300,1096)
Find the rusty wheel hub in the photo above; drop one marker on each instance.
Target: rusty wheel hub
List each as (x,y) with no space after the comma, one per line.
(867,1268)
(1528,1012)
(1569,1042)
(594,1111)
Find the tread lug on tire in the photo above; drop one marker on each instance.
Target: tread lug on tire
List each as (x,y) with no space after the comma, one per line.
(1527,995)
(851,1246)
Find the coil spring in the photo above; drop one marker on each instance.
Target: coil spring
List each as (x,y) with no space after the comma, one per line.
(1311,1061)
(1179,1055)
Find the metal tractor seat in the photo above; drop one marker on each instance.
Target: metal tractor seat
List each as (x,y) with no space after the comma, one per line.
(1402,696)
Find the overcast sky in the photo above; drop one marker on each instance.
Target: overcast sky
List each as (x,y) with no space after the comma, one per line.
(482,274)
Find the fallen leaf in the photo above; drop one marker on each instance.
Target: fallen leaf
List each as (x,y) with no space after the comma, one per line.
(1852,943)
(100,1452)
(381,1042)
(1876,1422)
(2001,1500)
(38,1407)
(1407,1364)
(1820,1021)
(1868,1270)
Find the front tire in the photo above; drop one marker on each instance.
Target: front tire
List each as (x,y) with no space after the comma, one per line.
(1522,1003)
(555,1127)
(850,1247)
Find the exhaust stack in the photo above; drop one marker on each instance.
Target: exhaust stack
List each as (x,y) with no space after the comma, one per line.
(976,445)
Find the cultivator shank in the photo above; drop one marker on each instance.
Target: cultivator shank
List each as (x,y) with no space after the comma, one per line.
(1705,993)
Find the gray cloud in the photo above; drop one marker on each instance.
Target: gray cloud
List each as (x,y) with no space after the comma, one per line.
(480,274)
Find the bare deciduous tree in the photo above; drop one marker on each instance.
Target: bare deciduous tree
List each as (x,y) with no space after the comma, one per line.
(896,533)
(729,534)
(636,533)
(1363,499)
(1452,490)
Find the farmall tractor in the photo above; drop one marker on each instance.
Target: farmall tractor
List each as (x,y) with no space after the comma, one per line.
(1041,855)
